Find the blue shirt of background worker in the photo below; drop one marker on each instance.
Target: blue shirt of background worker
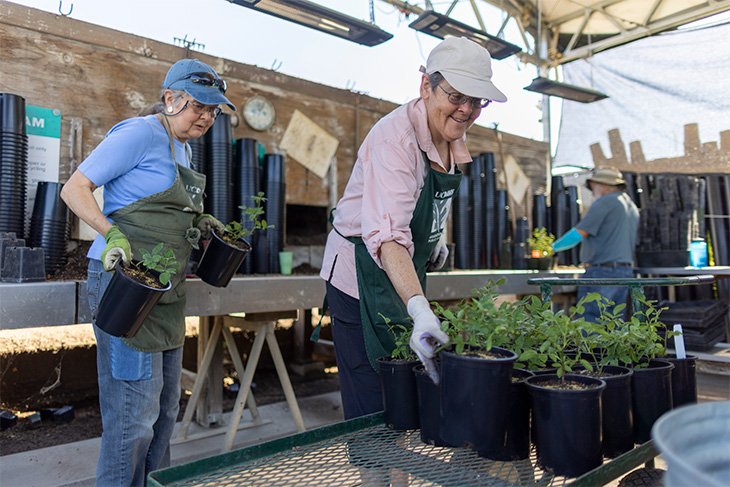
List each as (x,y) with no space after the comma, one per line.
(132,163)
(608,232)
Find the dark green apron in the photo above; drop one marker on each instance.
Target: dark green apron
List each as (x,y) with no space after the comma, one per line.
(165,217)
(377,294)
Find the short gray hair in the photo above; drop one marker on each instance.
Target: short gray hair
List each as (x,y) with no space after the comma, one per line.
(434,79)
(177,95)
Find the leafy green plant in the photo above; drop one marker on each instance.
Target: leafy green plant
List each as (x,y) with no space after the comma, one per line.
(564,336)
(541,243)
(633,342)
(402,336)
(161,259)
(236,230)
(478,322)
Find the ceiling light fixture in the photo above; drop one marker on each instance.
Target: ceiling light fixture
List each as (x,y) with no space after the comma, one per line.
(564,90)
(310,14)
(442,26)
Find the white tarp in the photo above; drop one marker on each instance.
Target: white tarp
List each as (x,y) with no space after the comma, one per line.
(656,86)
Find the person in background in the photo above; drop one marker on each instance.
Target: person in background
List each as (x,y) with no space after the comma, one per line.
(608,232)
(389,224)
(150,195)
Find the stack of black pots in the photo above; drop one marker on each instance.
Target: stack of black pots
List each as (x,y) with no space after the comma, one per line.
(503,257)
(197,159)
(275,184)
(491,237)
(520,248)
(247,184)
(539,212)
(49,225)
(476,179)
(218,169)
(461,225)
(573,202)
(13,163)
(560,216)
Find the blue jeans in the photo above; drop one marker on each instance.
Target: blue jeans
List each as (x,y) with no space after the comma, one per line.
(139,394)
(359,384)
(617,294)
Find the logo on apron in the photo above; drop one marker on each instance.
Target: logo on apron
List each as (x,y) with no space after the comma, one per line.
(441,206)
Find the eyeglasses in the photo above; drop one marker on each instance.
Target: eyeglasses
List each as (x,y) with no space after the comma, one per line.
(206,79)
(459,99)
(199,109)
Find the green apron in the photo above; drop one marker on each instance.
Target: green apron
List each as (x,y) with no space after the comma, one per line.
(165,217)
(377,294)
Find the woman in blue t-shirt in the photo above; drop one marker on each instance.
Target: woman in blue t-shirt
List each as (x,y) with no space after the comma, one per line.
(151,195)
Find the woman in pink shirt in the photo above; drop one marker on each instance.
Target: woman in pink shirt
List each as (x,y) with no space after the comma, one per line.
(388,225)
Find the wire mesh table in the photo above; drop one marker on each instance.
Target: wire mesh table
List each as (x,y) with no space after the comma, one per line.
(364,451)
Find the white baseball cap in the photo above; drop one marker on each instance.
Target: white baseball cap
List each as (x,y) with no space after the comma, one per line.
(466,66)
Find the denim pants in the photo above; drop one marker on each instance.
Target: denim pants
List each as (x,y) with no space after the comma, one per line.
(139,394)
(617,294)
(359,384)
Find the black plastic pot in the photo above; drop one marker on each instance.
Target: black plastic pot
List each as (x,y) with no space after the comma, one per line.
(126,304)
(568,424)
(400,399)
(540,263)
(684,380)
(618,421)
(516,444)
(220,261)
(429,407)
(474,400)
(651,391)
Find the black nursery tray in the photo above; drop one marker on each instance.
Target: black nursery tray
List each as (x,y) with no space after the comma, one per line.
(351,452)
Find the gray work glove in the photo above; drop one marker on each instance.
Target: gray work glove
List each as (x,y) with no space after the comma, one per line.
(206,223)
(439,254)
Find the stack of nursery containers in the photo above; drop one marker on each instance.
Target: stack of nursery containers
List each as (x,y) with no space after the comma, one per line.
(519,373)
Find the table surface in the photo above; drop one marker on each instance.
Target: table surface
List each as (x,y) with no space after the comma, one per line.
(53,303)
(347,452)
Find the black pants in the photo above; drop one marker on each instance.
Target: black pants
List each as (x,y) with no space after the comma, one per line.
(359,383)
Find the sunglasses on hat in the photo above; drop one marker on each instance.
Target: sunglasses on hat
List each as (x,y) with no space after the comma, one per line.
(206,79)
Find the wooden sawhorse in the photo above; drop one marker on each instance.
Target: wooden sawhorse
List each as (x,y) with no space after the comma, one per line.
(263,331)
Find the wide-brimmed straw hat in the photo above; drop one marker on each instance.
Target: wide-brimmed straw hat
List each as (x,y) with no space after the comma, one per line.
(607,175)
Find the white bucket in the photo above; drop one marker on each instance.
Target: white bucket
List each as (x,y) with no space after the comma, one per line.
(695,442)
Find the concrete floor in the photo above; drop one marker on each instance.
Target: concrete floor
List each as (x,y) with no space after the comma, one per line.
(74,464)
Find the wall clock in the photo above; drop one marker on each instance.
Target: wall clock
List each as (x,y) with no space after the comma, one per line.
(259,113)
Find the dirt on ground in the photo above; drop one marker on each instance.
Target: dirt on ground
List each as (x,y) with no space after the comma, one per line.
(87,421)
(52,367)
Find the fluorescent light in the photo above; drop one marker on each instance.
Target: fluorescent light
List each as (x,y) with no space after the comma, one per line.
(441,26)
(568,169)
(315,16)
(564,90)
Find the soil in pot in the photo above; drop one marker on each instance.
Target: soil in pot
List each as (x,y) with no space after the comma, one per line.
(516,444)
(567,418)
(221,259)
(400,398)
(429,407)
(651,392)
(684,380)
(127,301)
(475,399)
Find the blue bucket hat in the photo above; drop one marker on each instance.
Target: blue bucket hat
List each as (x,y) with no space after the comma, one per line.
(198,80)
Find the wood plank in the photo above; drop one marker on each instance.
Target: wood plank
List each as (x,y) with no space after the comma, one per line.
(103,76)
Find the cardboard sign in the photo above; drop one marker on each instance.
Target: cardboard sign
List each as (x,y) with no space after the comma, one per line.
(309,144)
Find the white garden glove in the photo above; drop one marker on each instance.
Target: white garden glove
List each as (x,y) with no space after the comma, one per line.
(439,254)
(426,334)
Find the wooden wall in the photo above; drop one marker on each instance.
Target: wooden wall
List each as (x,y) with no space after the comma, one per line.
(101,76)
